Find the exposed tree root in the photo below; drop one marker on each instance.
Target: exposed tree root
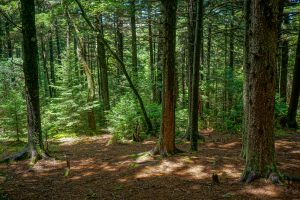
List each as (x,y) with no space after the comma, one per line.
(249,176)
(26,153)
(156,151)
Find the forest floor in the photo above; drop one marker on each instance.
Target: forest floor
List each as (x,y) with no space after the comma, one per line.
(121,171)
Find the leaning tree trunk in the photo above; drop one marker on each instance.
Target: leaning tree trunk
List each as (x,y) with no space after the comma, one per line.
(122,67)
(294,100)
(88,73)
(167,135)
(30,68)
(260,85)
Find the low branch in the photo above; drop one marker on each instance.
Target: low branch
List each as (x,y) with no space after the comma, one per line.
(10,20)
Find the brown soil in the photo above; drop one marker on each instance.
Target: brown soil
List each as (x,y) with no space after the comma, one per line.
(118,171)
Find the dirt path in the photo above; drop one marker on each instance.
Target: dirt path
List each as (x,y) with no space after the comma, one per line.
(101,171)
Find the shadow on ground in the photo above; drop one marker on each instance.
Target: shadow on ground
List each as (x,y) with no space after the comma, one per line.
(120,171)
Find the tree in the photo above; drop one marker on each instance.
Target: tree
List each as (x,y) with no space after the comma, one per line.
(30,68)
(195,77)
(167,134)
(260,88)
(294,100)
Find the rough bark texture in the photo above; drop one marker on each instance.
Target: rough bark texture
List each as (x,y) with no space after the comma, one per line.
(294,100)
(167,136)
(30,68)
(260,86)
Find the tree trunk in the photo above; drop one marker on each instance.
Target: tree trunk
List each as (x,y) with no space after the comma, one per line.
(284,64)
(246,70)
(261,87)
(120,45)
(208,66)
(1,38)
(47,88)
(294,100)
(133,40)
(231,63)
(58,46)
(103,67)
(195,77)
(167,135)
(30,68)
(151,54)
(52,69)
(191,38)
(8,40)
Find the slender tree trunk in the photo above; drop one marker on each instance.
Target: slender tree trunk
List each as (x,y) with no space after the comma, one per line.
(167,135)
(120,45)
(246,69)
(58,45)
(133,39)
(208,66)
(294,100)
(103,67)
(191,32)
(151,54)
(231,63)
(261,87)
(1,38)
(52,68)
(8,40)
(195,77)
(47,88)
(284,64)
(159,63)
(30,67)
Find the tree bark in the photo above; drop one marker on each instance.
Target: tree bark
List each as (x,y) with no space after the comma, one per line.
(284,64)
(30,68)
(167,135)
(151,54)
(191,38)
(261,87)
(195,77)
(58,45)
(294,100)
(8,40)
(133,39)
(103,67)
(52,68)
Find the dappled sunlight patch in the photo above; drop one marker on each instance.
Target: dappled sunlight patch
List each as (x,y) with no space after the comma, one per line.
(230,145)
(268,191)
(194,172)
